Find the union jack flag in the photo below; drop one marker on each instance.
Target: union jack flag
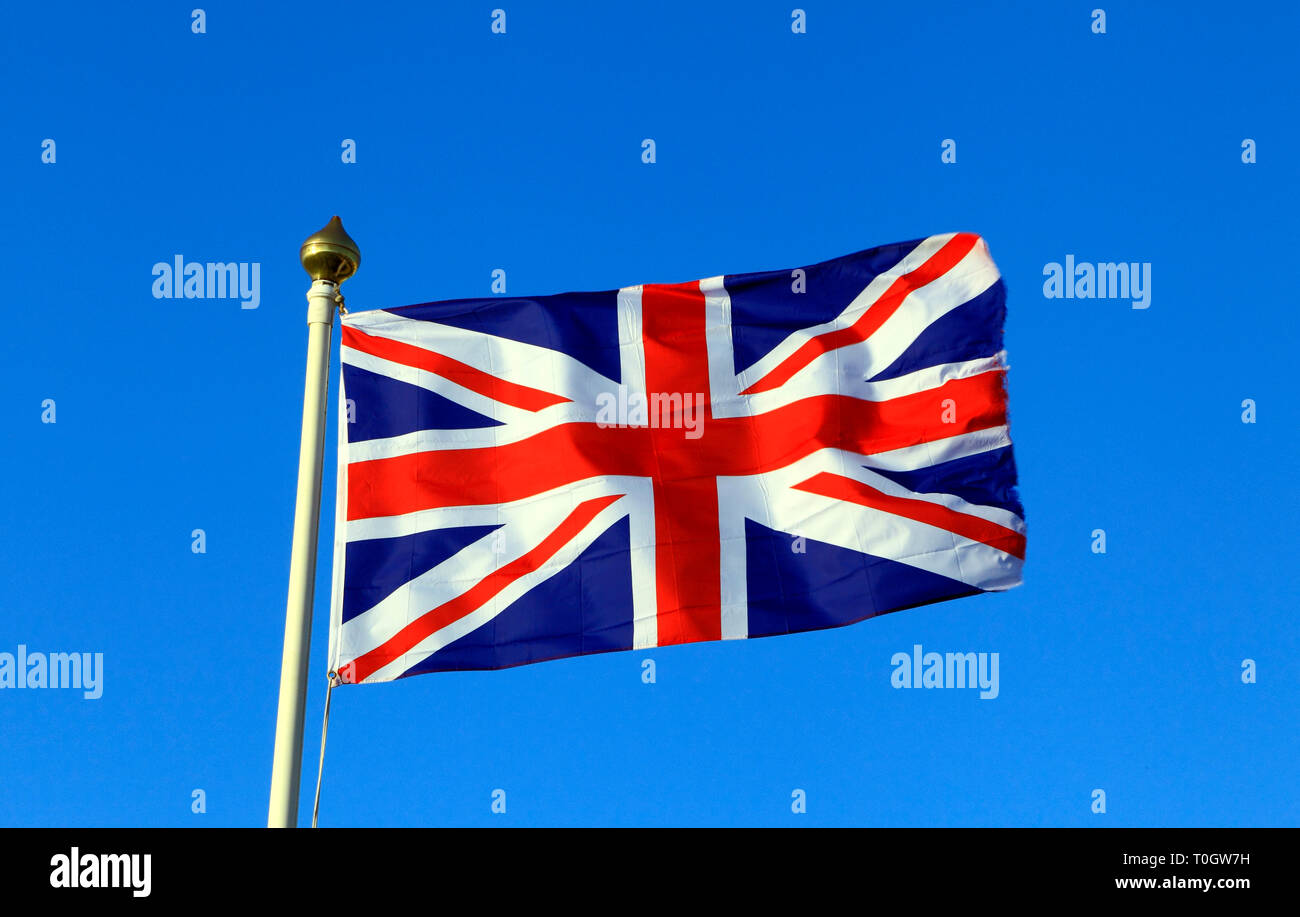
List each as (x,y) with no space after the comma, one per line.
(741,456)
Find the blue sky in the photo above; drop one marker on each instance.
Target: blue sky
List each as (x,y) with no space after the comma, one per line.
(522,151)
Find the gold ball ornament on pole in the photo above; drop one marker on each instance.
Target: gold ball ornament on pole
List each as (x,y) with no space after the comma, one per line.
(330,254)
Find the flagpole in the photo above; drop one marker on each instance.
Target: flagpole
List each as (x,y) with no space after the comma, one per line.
(330,257)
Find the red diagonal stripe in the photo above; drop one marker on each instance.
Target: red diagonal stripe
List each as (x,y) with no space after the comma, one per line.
(486,384)
(975,528)
(477,595)
(876,315)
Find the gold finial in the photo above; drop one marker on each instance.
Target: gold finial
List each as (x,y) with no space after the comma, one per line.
(330,254)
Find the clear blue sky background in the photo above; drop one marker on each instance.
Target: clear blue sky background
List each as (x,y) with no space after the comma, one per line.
(479,151)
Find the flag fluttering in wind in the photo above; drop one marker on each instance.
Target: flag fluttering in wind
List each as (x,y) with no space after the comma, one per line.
(523,479)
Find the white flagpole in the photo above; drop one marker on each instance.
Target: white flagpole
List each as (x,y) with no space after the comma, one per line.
(330,257)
